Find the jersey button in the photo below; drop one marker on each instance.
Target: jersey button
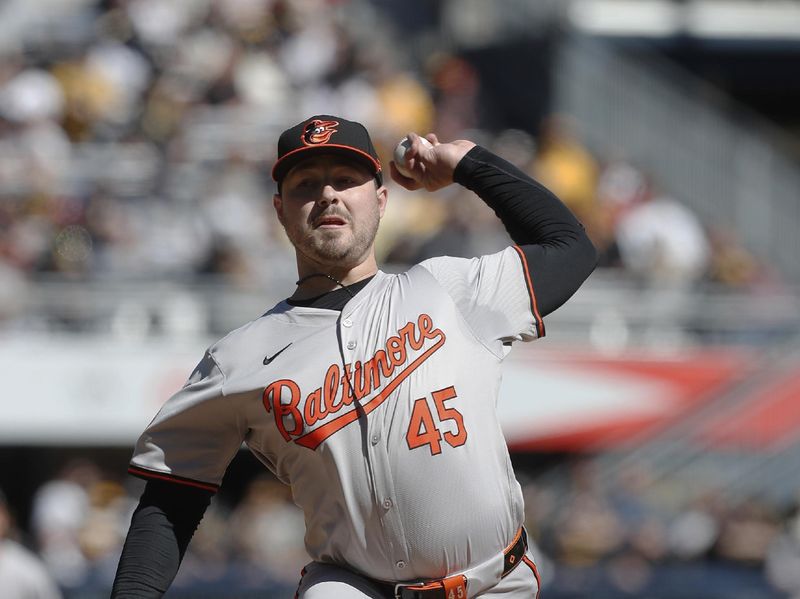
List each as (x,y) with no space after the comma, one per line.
(351,345)
(401,564)
(387,503)
(347,323)
(375,438)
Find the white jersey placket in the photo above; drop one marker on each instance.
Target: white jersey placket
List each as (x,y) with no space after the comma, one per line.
(382,483)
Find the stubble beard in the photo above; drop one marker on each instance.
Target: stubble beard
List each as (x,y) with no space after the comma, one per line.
(336,248)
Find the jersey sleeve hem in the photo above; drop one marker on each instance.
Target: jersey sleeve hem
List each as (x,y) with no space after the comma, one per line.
(146,474)
(539,323)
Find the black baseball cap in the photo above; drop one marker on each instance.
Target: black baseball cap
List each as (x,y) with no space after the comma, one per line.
(329,134)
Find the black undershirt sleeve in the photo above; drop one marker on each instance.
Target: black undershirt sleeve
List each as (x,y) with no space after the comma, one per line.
(160,531)
(558,252)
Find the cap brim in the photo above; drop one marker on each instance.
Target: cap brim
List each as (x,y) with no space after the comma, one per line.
(290,160)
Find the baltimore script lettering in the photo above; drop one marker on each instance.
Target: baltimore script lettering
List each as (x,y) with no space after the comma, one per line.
(336,391)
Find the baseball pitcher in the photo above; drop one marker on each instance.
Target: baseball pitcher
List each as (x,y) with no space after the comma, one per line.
(372,395)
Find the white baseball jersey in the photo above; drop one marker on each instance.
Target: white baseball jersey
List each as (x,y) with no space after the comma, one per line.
(381,417)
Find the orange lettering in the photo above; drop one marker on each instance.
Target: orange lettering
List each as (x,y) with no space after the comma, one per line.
(425,323)
(397,351)
(272,397)
(426,328)
(347,392)
(359,384)
(407,333)
(331,387)
(314,408)
(313,438)
(342,386)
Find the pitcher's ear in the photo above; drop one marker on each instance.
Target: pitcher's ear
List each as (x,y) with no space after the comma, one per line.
(383,198)
(277,203)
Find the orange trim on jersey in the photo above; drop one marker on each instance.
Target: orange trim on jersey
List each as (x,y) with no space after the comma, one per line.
(534,308)
(150,474)
(510,546)
(529,562)
(314,438)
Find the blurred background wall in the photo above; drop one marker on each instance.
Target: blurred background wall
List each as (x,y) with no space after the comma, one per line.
(655,430)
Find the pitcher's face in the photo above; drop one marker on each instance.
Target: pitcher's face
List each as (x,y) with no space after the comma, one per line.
(330,207)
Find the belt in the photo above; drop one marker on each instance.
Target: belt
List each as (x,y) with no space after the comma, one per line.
(455,587)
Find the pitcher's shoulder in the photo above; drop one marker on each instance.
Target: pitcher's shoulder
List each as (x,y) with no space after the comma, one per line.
(251,335)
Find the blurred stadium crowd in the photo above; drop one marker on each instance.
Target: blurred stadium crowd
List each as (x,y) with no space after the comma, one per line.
(593,539)
(136,141)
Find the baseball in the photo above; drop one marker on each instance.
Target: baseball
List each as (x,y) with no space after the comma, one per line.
(400,154)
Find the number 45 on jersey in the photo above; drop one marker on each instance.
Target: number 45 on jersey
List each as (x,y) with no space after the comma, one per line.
(424,426)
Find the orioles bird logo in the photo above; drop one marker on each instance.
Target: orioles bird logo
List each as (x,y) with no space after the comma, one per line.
(319,132)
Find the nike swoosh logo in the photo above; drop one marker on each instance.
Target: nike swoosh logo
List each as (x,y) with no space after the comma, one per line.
(269,359)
